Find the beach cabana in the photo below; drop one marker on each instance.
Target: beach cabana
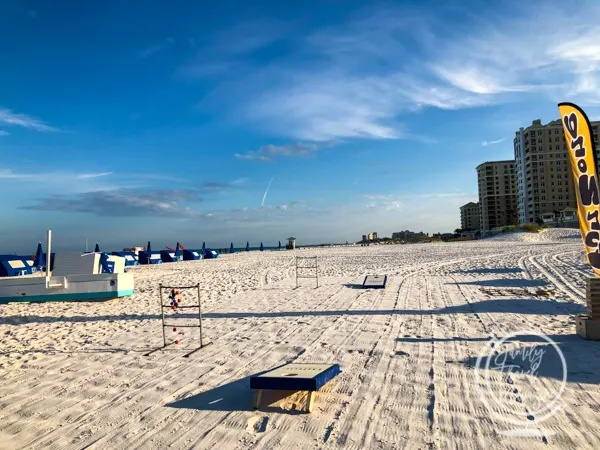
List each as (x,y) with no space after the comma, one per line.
(131,258)
(14,266)
(148,257)
(97,248)
(168,256)
(191,255)
(171,255)
(209,253)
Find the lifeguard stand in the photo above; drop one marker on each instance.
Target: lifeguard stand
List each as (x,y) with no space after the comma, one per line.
(291,245)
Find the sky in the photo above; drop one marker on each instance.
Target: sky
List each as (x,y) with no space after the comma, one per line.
(254,121)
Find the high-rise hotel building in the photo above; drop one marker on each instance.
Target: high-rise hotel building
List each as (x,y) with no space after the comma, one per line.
(544,180)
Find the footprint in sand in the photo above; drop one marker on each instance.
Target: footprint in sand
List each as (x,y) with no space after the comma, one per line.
(257,424)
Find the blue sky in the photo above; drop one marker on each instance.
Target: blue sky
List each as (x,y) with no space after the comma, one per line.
(124,123)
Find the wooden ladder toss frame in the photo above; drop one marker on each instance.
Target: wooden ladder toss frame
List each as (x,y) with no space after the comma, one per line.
(168,325)
(315,267)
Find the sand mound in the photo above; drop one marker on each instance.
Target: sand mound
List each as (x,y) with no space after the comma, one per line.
(549,235)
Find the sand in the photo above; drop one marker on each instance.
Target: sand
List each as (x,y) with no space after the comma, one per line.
(74,375)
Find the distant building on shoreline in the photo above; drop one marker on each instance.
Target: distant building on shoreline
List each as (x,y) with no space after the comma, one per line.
(470,217)
(369,237)
(407,235)
(497,194)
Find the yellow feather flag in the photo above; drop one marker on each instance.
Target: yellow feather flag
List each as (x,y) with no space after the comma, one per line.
(584,167)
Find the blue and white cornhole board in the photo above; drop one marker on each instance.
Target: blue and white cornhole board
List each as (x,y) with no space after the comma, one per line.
(295,377)
(375,281)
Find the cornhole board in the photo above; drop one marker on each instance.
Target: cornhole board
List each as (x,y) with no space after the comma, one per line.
(375,281)
(295,377)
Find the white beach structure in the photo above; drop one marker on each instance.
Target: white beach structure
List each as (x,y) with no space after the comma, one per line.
(291,243)
(76,277)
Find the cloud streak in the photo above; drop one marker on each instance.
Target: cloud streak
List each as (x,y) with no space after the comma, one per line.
(10,118)
(486,143)
(267,191)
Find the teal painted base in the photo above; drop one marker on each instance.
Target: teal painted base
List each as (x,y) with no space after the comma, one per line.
(81,297)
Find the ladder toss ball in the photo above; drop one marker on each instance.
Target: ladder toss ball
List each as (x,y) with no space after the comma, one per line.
(176,300)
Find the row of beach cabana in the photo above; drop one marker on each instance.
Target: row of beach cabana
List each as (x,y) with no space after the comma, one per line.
(14,265)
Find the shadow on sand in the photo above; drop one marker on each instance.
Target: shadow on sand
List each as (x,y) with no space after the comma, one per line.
(237,396)
(485,270)
(506,282)
(354,286)
(504,305)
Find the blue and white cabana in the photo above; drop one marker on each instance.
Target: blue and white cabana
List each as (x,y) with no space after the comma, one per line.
(131,258)
(14,266)
(171,256)
(149,257)
(192,255)
(209,253)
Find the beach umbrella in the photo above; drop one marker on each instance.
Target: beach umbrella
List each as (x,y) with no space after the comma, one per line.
(148,252)
(247,246)
(203,247)
(279,245)
(40,259)
(97,248)
(178,251)
(262,247)
(231,248)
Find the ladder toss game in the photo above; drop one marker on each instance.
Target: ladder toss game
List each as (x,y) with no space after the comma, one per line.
(176,303)
(310,263)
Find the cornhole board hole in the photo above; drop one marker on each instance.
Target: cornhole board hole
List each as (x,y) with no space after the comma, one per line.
(295,377)
(375,281)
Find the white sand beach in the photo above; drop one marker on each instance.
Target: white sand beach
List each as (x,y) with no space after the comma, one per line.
(74,375)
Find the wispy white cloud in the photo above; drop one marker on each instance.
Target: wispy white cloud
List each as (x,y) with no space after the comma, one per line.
(52,175)
(228,50)
(153,49)
(87,176)
(8,117)
(4,133)
(358,79)
(9,174)
(63,181)
(486,143)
